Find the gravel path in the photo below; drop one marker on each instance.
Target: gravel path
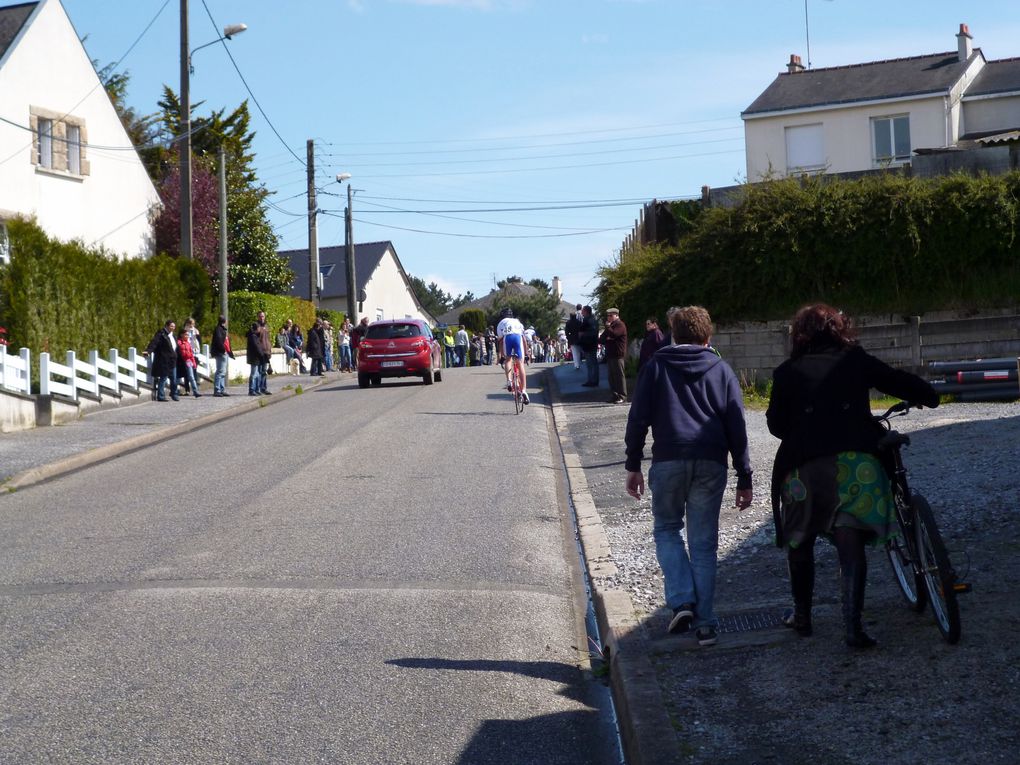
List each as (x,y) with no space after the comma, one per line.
(914,699)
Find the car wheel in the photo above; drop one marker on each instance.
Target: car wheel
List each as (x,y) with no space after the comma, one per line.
(362,380)
(426,378)
(376,380)
(439,375)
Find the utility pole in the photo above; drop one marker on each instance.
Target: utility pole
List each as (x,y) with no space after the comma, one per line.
(185,162)
(313,238)
(352,282)
(223,233)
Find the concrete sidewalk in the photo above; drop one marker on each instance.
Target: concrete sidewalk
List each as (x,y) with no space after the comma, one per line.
(31,456)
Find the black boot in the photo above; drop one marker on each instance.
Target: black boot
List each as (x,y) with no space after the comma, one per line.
(854,580)
(802,583)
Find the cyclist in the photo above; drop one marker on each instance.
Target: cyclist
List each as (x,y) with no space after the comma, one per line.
(510,336)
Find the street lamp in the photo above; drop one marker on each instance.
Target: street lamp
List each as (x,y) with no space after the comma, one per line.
(185,190)
(352,284)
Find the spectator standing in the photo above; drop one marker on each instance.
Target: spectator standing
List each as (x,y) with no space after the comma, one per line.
(572,330)
(461,345)
(654,340)
(186,363)
(477,349)
(253,355)
(588,338)
(162,350)
(343,341)
(448,344)
(357,334)
(691,400)
(327,345)
(614,339)
(314,347)
(266,345)
(297,346)
(220,350)
(490,345)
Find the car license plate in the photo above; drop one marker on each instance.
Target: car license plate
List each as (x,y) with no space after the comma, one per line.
(393,363)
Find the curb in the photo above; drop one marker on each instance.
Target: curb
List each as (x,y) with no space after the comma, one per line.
(645,728)
(75,462)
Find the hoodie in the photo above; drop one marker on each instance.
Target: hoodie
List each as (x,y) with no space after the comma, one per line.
(691,400)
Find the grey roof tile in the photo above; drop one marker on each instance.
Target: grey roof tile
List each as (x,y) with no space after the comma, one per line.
(1001,76)
(12,19)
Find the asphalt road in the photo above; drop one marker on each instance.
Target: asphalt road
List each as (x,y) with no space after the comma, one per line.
(343,577)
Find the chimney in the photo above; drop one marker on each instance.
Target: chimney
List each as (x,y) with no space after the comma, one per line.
(557,288)
(795,64)
(963,43)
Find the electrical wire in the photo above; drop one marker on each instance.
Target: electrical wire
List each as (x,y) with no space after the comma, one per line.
(482,236)
(246,87)
(470,220)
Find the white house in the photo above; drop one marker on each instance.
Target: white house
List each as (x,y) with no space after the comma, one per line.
(378,272)
(65,157)
(879,114)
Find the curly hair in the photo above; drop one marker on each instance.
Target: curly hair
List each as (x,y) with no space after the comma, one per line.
(820,326)
(690,324)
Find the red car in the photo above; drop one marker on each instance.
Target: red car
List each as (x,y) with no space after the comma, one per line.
(399,348)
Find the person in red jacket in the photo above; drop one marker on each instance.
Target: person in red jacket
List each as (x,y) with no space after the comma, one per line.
(614,338)
(186,363)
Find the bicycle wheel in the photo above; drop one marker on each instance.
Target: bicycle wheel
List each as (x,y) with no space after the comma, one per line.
(939,576)
(901,552)
(518,398)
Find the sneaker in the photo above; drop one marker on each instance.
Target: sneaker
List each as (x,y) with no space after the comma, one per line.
(524,395)
(706,636)
(509,387)
(682,618)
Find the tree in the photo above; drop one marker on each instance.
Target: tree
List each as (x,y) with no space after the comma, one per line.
(473,319)
(166,222)
(540,284)
(509,280)
(254,264)
(541,310)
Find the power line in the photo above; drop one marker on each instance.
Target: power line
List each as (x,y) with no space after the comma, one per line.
(590,206)
(483,236)
(246,87)
(437,214)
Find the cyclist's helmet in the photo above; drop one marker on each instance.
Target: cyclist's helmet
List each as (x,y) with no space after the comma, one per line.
(506,313)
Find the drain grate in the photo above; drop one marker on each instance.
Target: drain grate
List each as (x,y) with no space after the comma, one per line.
(751,621)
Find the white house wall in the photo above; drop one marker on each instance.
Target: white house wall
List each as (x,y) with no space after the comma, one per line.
(388,295)
(48,69)
(846,134)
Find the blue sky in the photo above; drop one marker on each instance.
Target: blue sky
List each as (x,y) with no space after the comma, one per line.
(448,112)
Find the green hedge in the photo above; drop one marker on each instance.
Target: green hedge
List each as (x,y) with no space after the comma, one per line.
(882,244)
(57,296)
(244,308)
(336,318)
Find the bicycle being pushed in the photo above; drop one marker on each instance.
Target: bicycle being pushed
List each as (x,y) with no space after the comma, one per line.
(918,555)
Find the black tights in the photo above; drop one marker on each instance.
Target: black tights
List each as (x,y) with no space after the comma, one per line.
(849,547)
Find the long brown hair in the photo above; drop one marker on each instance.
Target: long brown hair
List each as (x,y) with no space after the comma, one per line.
(820,326)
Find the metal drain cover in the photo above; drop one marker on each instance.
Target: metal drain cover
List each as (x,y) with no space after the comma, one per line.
(751,621)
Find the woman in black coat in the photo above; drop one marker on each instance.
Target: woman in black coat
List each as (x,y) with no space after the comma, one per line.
(828,478)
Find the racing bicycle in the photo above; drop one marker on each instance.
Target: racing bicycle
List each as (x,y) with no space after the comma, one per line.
(518,391)
(919,559)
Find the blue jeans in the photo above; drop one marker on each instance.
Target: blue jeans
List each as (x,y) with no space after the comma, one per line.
(693,488)
(263,376)
(345,357)
(449,356)
(254,378)
(189,378)
(591,358)
(161,389)
(220,378)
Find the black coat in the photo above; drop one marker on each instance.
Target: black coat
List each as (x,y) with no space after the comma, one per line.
(316,343)
(820,406)
(588,336)
(218,346)
(253,352)
(163,352)
(572,328)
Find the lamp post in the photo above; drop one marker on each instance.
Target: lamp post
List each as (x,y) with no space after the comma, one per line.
(352,283)
(185,190)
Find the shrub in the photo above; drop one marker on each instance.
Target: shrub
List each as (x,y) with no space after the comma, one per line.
(473,320)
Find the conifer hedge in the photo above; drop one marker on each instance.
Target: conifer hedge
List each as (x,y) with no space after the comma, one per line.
(882,244)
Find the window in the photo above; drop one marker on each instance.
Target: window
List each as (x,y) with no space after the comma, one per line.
(74,150)
(805,149)
(891,139)
(5,245)
(45,158)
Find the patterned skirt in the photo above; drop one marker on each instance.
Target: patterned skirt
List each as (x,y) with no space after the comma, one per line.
(847,489)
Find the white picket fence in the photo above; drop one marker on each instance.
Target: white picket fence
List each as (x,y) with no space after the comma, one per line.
(93,376)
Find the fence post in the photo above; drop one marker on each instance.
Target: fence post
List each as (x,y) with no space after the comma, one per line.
(44,374)
(94,362)
(915,342)
(73,380)
(133,361)
(114,359)
(26,357)
(3,366)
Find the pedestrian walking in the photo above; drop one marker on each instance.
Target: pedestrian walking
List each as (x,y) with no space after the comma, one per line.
(220,350)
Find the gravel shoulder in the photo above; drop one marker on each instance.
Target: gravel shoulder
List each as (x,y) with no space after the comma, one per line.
(779,699)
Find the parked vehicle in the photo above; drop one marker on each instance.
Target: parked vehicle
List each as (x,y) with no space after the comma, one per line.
(399,348)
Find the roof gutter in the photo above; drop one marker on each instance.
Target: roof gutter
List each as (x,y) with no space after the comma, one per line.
(844,105)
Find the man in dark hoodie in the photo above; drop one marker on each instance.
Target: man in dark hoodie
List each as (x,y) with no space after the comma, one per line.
(691,400)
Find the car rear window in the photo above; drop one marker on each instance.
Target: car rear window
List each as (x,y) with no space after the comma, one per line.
(391,331)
